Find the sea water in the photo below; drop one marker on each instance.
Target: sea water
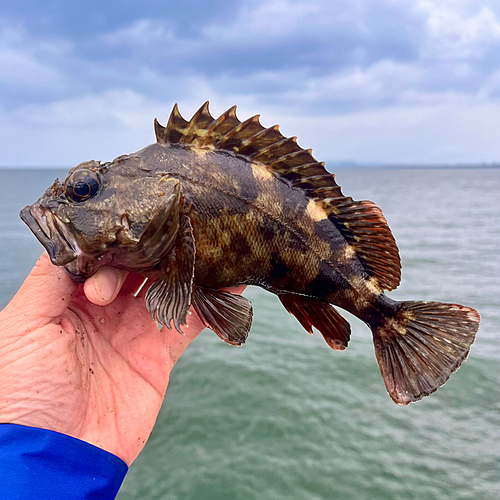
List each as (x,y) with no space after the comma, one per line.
(285,417)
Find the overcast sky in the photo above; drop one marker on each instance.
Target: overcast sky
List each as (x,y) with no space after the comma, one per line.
(378,81)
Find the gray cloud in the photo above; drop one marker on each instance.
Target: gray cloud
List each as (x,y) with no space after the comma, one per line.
(295,59)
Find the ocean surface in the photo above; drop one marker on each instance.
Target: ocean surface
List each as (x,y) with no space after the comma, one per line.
(287,418)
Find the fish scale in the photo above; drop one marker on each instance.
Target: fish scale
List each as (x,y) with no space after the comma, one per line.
(215,203)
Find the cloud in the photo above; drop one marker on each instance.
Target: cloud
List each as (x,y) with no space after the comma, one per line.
(92,79)
(28,67)
(459,131)
(100,126)
(454,33)
(275,34)
(144,32)
(286,48)
(120,121)
(19,67)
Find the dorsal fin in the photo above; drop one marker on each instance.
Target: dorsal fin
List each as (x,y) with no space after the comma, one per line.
(361,222)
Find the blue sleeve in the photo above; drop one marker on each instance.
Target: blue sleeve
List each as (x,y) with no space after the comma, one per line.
(40,464)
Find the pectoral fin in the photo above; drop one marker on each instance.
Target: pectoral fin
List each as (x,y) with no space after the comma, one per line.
(322,315)
(169,297)
(227,314)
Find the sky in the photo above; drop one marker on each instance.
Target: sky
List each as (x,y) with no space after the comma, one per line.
(368,81)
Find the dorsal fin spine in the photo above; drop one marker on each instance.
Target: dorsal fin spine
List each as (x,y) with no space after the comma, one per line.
(258,135)
(291,156)
(195,120)
(287,161)
(201,111)
(160,132)
(219,127)
(321,189)
(176,126)
(236,130)
(216,123)
(275,145)
(310,179)
(231,111)
(299,168)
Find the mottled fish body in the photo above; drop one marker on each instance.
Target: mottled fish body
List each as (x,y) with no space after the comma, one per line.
(247,223)
(217,202)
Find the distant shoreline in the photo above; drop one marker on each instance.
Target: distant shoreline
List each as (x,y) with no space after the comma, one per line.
(329,166)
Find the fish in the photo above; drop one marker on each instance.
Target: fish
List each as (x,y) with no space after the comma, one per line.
(215,203)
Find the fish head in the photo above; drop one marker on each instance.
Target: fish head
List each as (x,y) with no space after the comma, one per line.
(114,213)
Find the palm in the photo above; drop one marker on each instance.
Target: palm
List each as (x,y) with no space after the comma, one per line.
(98,373)
(119,364)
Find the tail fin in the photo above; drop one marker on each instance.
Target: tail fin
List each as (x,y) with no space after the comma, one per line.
(419,348)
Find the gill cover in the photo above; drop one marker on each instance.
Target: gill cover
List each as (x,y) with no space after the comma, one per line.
(149,223)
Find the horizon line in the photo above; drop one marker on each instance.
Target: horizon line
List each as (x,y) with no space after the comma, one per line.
(335,163)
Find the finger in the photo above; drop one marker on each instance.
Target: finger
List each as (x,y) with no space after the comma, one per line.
(45,294)
(103,287)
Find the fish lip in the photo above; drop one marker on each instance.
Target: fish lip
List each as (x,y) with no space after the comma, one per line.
(41,236)
(61,252)
(85,265)
(78,278)
(60,243)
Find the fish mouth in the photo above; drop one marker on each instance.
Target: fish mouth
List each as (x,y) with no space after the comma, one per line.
(61,244)
(50,233)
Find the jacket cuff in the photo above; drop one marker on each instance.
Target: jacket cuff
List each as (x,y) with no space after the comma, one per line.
(41,464)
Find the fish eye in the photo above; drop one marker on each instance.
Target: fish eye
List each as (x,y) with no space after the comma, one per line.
(82,185)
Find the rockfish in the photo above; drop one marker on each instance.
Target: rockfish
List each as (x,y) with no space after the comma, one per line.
(216,203)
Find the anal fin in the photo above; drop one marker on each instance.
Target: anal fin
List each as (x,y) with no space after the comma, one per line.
(227,314)
(322,315)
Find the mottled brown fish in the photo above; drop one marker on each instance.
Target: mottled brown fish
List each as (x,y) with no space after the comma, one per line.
(217,202)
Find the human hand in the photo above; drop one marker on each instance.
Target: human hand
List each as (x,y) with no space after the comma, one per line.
(86,360)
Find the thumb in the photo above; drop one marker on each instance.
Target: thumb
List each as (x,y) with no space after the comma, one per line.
(102,288)
(45,294)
